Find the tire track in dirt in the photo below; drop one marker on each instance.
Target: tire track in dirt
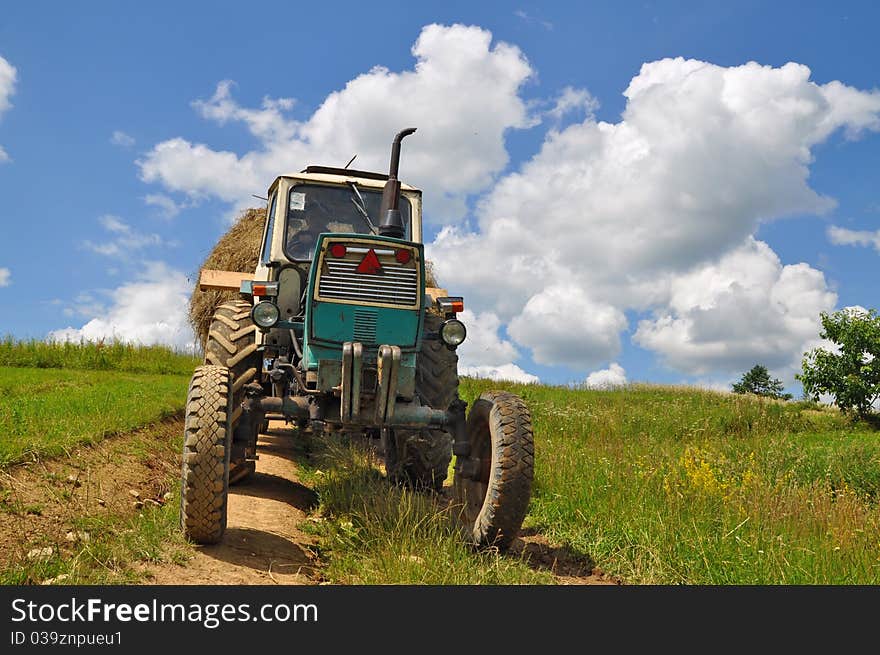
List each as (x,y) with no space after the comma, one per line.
(262,543)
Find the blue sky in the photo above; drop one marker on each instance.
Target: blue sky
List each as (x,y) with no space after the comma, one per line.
(125,158)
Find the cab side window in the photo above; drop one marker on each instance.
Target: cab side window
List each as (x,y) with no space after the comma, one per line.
(270,224)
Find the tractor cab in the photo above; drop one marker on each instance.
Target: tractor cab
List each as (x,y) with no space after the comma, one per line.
(319,200)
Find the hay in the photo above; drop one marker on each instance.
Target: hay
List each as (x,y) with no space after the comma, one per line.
(238,250)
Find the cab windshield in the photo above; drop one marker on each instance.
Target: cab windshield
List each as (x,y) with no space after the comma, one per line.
(316,208)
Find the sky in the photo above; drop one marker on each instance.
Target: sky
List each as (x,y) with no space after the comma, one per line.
(623,192)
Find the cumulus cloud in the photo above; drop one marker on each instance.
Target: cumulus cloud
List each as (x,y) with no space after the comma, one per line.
(510,372)
(7,89)
(615,216)
(121,139)
(150,310)
(746,308)
(463,92)
(5,277)
(125,240)
(841,236)
(483,345)
(563,325)
(608,378)
(485,354)
(606,219)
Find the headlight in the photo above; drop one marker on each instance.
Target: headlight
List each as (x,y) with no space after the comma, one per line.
(453,332)
(265,314)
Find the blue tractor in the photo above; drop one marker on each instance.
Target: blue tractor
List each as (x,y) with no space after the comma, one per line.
(336,330)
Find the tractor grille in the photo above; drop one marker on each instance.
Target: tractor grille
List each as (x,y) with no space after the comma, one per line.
(397,285)
(365,326)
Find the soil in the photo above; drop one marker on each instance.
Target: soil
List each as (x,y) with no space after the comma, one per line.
(41,501)
(263,543)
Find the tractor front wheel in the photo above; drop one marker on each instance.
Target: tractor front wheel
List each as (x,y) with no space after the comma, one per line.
(493,486)
(232,343)
(206,447)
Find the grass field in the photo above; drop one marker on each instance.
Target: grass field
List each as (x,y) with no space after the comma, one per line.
(674,485)
(46,412)
(114,356)
(657,485)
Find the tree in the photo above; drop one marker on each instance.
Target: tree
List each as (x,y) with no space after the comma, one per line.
(758,381)
(852,374)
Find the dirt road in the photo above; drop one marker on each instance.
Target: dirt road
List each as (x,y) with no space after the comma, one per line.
(262,543)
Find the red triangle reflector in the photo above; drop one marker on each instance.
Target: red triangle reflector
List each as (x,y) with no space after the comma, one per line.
(370,264)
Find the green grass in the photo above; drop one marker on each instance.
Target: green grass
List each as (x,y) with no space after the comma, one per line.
(375,533)
(113,356)
(657,485)
(45,412)
(665,485)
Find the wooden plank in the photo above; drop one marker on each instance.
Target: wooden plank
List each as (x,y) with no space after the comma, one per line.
(222,280)
(433,293)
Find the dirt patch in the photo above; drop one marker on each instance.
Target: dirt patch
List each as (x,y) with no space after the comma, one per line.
(42,501)
(263,543)
(566,565)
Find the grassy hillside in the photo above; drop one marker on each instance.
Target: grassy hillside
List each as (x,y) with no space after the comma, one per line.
(676,485)
(113,356)
(657,485)
(45,412)
(54,396)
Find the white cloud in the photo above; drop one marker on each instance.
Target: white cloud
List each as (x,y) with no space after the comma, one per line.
(608,378)
(563,325)
(150,310)
(483,346)
(615,215)
(7,84)
(523,15)
(268,123)
(745,309)
(510,372)
(7,89)
(126,240)
(841,236)
(5,277)
(121,139)
(573,100)
(167,206)
(463,94)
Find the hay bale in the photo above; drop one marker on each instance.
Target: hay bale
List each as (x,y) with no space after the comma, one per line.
(430,276)
(238,250)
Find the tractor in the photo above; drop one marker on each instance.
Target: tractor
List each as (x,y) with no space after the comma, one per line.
(336,330)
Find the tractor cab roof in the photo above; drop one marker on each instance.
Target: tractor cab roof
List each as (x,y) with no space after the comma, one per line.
(335,175)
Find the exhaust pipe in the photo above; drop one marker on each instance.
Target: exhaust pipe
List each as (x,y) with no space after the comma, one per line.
(391,224)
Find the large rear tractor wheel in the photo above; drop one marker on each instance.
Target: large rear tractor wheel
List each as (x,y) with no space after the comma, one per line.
(206,448)
(493,486)
(422,456)
(232,343)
